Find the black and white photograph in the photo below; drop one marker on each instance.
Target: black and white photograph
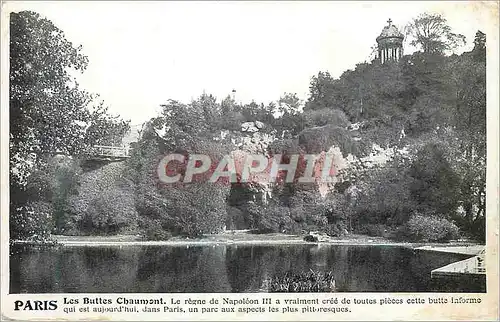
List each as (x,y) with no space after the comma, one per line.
(248,147)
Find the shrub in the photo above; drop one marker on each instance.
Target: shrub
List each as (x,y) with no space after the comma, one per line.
(429,229)
(112,211)
(105,203)
(195,209)
(302,282)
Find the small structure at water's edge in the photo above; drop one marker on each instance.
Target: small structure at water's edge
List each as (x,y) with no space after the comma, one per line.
(311,239)
(470,272)
(474,265)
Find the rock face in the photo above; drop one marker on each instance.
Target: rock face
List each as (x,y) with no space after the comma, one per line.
(325,142)
(251,126)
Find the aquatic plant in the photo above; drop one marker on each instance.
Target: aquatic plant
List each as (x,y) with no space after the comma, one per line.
(310,281)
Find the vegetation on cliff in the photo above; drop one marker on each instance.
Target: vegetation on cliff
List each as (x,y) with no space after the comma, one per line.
(428,110)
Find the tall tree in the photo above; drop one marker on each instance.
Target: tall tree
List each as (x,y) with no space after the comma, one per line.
(468,77)
(479,50)
(49,112)
(47,108)
(433,34)
(289,103)
(321,91)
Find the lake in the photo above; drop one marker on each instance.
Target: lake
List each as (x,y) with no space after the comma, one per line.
(169,269)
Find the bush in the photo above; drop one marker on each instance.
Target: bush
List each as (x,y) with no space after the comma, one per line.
(112,211)
(302,282)
(105,203)
(429,229)
(195,209)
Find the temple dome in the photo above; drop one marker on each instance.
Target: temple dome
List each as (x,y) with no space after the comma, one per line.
(390,43)
(390,31)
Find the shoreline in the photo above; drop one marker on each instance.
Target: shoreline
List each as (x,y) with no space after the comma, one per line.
(243,239)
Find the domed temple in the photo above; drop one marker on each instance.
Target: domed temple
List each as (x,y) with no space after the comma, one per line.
(390,43)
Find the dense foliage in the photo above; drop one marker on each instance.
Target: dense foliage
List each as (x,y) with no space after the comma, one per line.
(427,228)
(427,112)
(49,113)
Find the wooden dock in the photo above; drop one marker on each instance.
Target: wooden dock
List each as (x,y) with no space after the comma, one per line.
(466,249)
(470,266)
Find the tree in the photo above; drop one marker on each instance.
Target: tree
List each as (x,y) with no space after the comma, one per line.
(479,50)
(182,208)
(432,33)
(321,91)
(468,144)
(105,129)
(55,182)
(435,185)
(289,103)
(49,112)
(95,208)
(384,195)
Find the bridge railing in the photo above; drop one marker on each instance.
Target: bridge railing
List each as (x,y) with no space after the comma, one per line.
(110,151)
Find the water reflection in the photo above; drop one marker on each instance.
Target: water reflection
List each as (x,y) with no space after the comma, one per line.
(163,269)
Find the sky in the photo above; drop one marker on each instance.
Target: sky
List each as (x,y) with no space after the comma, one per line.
(143,53)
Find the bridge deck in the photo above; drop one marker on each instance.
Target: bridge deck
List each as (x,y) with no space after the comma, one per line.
(103,152)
